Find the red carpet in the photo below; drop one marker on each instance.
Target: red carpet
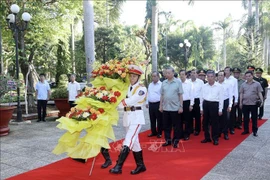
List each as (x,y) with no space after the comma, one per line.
(191,161)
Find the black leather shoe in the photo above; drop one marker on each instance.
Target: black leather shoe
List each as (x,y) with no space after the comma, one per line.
(226,137)
(245,132)
(206,140)
(139,162)
(255,134)
(43,120)
(117,169)
(239,127)
(159,136)
(231,131)
(219,135)
(106,155)
(259,118)
(166,144)
(151,135)
(175,145)
(80,160)
(215,142)
(196,133)
(186,138)
(38,120)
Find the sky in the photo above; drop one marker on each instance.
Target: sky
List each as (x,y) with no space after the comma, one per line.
(202,12)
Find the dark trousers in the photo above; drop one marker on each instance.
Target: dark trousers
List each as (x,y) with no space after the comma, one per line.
(41,104)
(155,118)
(253,109)
(210,116)
(225,118)
(185,119)
(196,114)
(71,104)
(261,111)
(238,115)
(171,119)
(232,116)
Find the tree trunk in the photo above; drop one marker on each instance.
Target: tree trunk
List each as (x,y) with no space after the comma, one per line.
(1,56)
(257,17)
(73,47)
(224,48)
(89,40)
(154,38)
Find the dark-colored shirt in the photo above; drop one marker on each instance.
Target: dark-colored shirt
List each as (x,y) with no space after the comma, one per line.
(263,83)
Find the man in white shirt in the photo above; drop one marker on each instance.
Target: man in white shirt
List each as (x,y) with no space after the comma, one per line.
(227,106)
(74,89)
(234,85)
(197,85)
(211,107)
(43,92)
(188,102)
(153,102)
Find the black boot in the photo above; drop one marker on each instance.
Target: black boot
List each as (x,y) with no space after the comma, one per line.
(117,169)
(80,160)
(106,155)
(139,161)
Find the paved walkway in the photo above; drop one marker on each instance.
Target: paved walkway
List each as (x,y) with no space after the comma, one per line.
(29,146)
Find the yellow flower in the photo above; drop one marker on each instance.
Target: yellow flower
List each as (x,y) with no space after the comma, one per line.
(119,72)
(67,115)
(98,113)
(87,88)
(111,67)
(72,110)
(99,95)
(92,110)
(123,75)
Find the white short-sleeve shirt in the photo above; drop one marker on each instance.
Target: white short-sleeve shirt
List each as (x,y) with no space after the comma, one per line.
(42,90)
(73,89)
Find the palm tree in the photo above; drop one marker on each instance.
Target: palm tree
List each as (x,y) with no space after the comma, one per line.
(89,41)
(224,26)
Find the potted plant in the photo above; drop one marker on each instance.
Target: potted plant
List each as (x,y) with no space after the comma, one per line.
(6,83)
(60,96)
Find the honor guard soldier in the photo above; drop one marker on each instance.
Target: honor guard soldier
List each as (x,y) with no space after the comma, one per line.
(238,111)
(264,85)
(202,75)
(133,120)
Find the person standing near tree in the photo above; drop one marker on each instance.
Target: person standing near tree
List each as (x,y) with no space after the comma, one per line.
(250,93)
(43,92)
(171,105)
(73,90)
(264,85)
(153,101)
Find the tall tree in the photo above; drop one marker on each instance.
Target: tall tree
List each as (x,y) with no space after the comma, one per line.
(89,36)
(224,26)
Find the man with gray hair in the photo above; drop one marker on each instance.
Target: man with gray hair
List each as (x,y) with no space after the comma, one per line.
(74,89)
(171,104)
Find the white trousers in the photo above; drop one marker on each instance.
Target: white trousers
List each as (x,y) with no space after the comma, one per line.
(132,138)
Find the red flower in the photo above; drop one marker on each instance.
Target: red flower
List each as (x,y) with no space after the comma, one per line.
(71,115)
(101,110)
(86,93)
(113,99)
(93,116)
(79,112)
(79,95)
(105,98)
(102,88)
(117,93)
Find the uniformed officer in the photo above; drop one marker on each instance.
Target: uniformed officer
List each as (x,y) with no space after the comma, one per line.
(264,85)
(202,75)
(251,68)
(238,111)
(133,119)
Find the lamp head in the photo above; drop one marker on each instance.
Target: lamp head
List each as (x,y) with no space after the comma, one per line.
(26,16)
(181,45)
(185,41)
(15,9)
(11,18)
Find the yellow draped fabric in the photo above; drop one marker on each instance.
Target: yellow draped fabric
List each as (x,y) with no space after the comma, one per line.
(96,132)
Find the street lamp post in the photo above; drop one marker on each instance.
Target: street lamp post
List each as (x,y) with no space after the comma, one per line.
(13,25)
(186,45)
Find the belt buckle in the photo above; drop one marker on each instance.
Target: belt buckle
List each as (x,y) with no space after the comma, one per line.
(128,108)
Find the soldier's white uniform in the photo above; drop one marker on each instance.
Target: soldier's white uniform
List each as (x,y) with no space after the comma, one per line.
(133,115)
